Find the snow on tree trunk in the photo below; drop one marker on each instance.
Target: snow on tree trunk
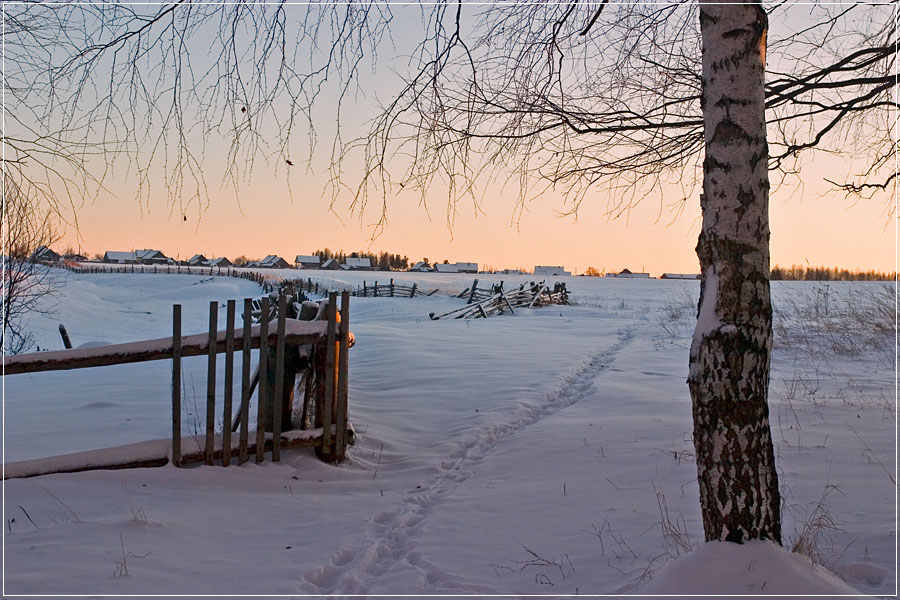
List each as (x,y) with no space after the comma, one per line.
(731,349)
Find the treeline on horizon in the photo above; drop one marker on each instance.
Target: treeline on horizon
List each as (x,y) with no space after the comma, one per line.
(805,273)
(382,261)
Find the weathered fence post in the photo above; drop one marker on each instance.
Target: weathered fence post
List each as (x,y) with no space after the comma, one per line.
(472,292)
(342,382)
(176,385)
(211,385)
(263,366)
(327,397)
(277,397)
(245,380)
(412,294)
(229,384)
(392,289)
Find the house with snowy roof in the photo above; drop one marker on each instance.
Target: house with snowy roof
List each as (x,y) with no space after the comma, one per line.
(552,271)
(272,261)
(198,260)
(120,258)
(307,261)
(220,262)
(466,267)
(626,274)
(331,265)
(148,256)
(421,267)
(44,254)
(680,276)
(358,264)
(446,268)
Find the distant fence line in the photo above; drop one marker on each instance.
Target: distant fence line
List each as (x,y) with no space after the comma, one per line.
(289,287)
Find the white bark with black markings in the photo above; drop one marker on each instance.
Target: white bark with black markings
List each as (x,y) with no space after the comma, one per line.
(731,350)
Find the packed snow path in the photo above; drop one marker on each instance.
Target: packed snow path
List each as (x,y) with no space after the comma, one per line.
(386,542)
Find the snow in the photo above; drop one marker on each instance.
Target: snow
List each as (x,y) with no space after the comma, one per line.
(546,452)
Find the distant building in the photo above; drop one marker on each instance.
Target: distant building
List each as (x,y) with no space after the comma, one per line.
(44,254)
(446,268)
(679,276)
(121,258)
(75,257)
(272,261)
(220,262)
(511,272)
(626,274)
(421,267)
(198,260)
(307,261)
(466,267)
(331,265)
(358,264)
(151,257)
(552,271)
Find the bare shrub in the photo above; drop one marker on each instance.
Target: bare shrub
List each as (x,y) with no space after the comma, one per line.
(816,528)
(836,320)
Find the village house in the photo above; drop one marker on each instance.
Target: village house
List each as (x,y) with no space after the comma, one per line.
(198,260)
(446,268)
(272,261)
(421,267)
(121,258)
(552,271)
(75,257)
(151,257)
(44,254)
(220,262)
(358,264)
(466,267)
(331,265)
(679,276)
(307,261)
(626,274)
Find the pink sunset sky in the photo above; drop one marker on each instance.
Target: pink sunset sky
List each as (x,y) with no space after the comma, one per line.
(809,225)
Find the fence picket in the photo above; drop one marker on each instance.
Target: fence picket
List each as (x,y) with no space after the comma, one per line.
(211,385)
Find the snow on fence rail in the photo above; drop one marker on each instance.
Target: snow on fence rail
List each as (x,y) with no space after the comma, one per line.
(315,352)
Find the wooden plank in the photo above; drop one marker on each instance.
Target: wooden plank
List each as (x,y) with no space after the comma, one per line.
(211,383)
(245,383)
(296,333)
(279,380)
(261,395)
(472,293)
(342,380)
(152,453)
(331,312)
(176,385)
(229,384)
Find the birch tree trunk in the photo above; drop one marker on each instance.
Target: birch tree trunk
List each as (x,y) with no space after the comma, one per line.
(731,349)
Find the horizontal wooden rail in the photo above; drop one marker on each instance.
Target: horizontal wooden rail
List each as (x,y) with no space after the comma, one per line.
(296,333)
(153,453)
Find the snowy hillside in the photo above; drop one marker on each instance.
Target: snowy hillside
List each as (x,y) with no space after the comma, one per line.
(546,452)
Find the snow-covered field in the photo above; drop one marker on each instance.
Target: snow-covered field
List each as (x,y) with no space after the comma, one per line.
(547,452)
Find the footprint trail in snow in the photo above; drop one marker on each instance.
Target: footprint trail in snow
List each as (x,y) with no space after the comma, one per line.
(386,542)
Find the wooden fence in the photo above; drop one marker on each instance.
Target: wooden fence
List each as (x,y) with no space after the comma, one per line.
(390,290)
(499,301)
(315,353)
(254,276)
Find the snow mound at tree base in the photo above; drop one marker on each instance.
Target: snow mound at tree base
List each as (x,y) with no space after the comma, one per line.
(752,568)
